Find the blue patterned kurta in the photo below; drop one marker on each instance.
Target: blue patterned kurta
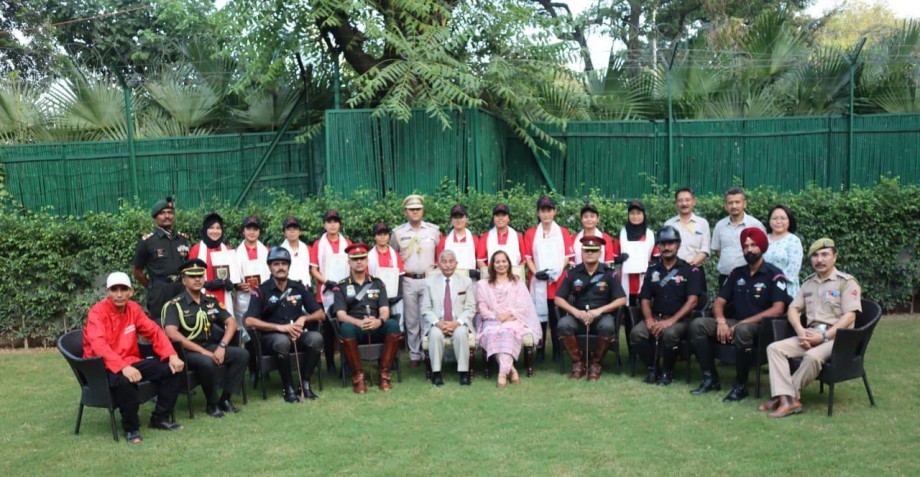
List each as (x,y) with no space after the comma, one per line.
(786,254)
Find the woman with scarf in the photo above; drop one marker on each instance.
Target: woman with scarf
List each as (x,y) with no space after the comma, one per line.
(548,251)
(634,248)
(212,240)
(507,314)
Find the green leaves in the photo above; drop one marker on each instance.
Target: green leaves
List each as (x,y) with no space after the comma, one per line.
(54,267)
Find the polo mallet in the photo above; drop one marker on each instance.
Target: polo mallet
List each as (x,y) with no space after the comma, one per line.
(297,361)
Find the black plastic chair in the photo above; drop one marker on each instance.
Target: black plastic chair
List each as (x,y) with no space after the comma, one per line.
(370,352)
(588,342)
(848,356)
(93,380)
(266,363)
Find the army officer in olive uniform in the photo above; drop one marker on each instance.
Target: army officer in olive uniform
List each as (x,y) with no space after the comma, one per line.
(204,328)
(158,256)
(363,311)
(590,295)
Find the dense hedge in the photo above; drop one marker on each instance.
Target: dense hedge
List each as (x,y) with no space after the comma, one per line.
(53,268)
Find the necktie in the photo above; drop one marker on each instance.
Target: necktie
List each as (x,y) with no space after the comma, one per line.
(448,306)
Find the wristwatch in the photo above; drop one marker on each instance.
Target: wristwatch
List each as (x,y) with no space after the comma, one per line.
(824,335)
(223,344)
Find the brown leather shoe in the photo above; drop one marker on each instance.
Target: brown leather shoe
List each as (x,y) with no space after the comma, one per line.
(571,346)
(788,407)
(352,355)
(770,405)
(390,346)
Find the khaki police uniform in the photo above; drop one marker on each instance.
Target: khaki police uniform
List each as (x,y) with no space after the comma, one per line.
(823,302)
(417,248)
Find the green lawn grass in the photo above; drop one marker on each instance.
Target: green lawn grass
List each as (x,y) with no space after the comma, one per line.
(545,426)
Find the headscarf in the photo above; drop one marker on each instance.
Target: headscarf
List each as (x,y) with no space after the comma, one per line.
(636,232)
(209,220)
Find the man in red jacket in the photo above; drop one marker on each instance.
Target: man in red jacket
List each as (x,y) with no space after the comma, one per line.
(111,332)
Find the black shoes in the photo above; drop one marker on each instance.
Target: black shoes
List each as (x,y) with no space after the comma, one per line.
(651,378)
(290,395)
(738,393)
(162,423)
(710,383)
(465,379)
(214,411)
(308,392)
(436,379)
(133,437)
(227,406)
(665,379)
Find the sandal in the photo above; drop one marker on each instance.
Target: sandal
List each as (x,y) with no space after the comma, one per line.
(133,437)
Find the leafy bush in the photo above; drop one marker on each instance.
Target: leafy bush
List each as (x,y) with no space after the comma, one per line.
(53,267)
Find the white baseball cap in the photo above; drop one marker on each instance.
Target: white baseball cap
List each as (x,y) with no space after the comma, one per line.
(117,278)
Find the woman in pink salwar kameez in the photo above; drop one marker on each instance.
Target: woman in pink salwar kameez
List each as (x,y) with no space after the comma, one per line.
(507,314)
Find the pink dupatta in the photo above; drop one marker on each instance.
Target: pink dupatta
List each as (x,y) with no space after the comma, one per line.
(511,297)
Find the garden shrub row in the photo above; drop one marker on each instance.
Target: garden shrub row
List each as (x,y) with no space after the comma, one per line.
(53,267)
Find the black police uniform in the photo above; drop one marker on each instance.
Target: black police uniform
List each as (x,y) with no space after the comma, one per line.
(747,295)
(273,305)
(668,291)
(161,253)
(581,289)
(360,300)
(203,323)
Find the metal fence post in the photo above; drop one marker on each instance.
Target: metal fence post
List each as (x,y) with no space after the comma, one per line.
(851,61)
(668,79)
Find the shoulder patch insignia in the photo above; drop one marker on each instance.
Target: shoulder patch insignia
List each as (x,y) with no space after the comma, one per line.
(183,235)
(779,277)
(146,236)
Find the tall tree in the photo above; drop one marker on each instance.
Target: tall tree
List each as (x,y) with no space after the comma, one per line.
(431,54)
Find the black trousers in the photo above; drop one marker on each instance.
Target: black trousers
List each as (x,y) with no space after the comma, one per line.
(158,293)
(309,345)
(124,393)
(235,361)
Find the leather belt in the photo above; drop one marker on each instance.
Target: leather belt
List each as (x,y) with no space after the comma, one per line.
(417,276)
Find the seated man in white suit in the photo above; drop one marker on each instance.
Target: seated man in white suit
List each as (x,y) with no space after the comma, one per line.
(448,306)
